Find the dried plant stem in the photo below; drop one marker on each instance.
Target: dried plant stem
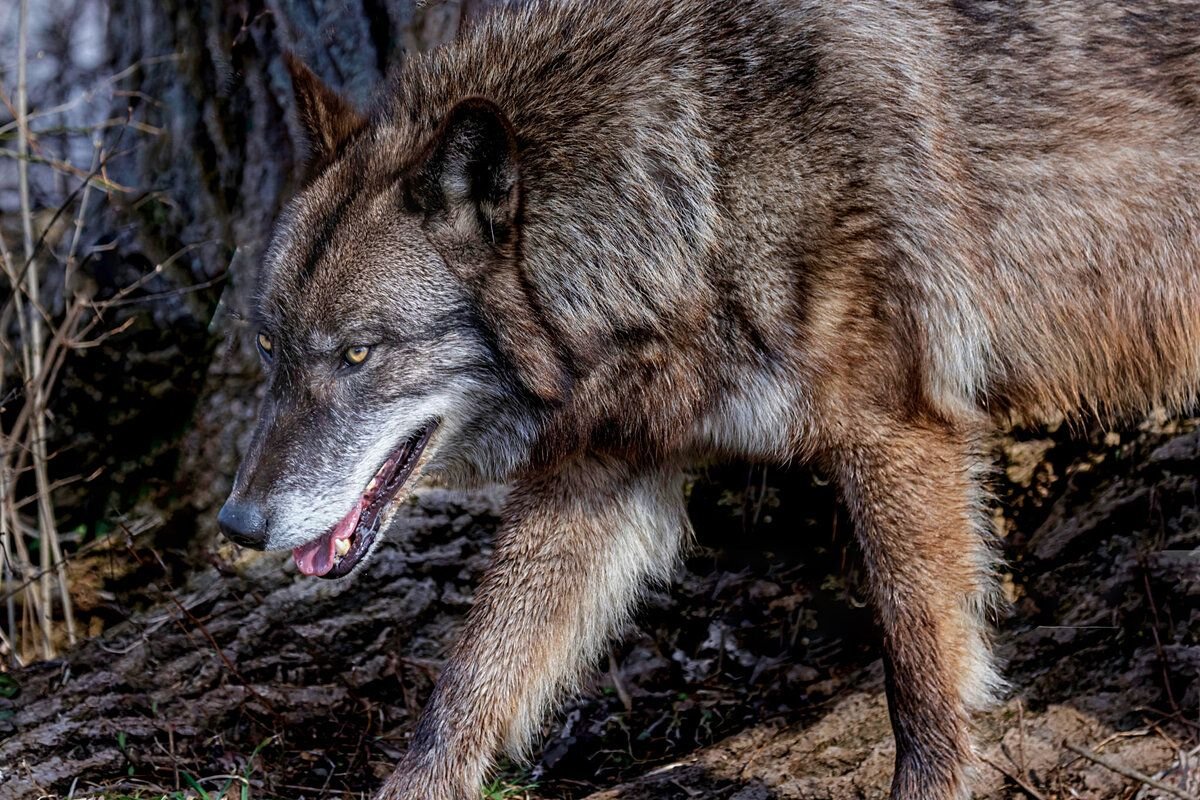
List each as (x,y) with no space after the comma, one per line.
(32,603)
(49,550)
(64,331)
(1133,774)
(84,96)
(34,592)
(15,559)
(32,343)
(6,552)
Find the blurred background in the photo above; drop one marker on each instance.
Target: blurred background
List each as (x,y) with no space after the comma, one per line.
(145,147)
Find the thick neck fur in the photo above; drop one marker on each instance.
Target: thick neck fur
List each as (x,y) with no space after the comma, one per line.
(623,147)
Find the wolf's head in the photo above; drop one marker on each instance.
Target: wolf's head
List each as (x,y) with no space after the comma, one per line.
(392,330)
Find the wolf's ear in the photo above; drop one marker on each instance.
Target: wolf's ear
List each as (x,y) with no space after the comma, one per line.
(467,184)
(327,118)
(468,177)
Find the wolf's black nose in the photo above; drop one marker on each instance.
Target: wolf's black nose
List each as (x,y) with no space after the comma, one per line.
(244,523)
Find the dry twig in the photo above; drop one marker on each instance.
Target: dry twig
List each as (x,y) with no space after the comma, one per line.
(47,330)
(1132,774)
(1021,783)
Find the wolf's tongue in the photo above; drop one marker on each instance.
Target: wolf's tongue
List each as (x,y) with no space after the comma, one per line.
(316,557)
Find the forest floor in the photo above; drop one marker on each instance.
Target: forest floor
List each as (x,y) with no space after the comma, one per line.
(754,676)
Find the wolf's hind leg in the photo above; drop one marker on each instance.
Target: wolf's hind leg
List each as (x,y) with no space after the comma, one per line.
(574,553)
(914,491)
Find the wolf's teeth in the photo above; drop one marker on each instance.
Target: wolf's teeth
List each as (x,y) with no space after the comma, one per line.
(374,482)
(342,546)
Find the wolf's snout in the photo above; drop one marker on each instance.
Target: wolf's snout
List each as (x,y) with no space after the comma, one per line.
(243,522)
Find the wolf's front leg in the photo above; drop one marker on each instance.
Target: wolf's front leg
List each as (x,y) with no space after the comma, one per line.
(914,491)
(574,552)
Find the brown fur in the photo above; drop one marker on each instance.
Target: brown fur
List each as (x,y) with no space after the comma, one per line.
(855,232)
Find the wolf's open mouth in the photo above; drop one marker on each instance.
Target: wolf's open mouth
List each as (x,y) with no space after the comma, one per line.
(335,553)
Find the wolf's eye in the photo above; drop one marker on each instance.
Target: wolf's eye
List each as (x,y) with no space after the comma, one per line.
(356,355)
(264,344)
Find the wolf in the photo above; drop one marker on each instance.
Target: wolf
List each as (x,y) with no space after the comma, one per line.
(592,244)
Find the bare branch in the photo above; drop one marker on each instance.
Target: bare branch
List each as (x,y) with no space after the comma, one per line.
(1133,774)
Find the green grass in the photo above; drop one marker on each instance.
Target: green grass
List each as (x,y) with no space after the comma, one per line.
(500,789)
(512,783)
(194,791)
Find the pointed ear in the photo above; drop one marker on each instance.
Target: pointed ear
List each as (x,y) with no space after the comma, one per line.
(467,184)
(468,178)
(327,119)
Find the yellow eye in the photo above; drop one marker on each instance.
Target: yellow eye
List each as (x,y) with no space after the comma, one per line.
(356,355)
(264,344)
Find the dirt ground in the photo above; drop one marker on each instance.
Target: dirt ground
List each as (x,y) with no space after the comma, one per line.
(755,676)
